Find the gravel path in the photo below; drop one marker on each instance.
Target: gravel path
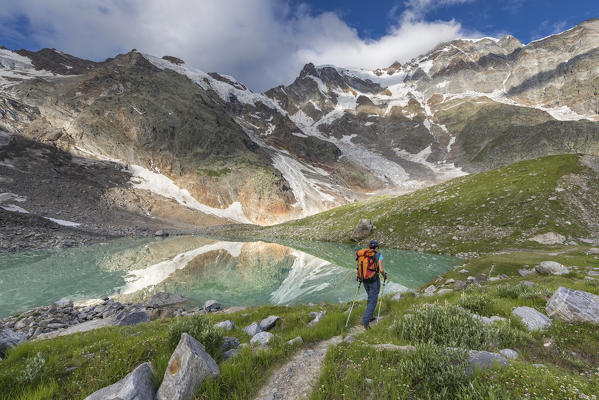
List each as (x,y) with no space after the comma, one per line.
(296,378)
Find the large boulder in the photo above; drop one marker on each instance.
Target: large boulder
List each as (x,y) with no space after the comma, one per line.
(64,302)
(551,268)
(10,338)
(531,318)
(269,322)
(164,299)
(573,306)
(261,339)
(187,368)
(549,238)
(137,385)
(229,343)
(252,329)
(362,230)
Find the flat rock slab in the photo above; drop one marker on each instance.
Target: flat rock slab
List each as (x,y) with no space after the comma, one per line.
(164,299)
(132,318)
(269,322)
(551,268)
(549,238)
(137,385)
(188,368)
(531,318)
(83,327)
(212,306)
(485,359)
(573,306)
(316,317)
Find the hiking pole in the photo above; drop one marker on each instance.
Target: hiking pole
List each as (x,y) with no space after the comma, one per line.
(352,304)
(382,294)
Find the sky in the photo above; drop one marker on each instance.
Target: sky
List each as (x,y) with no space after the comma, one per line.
(265,43)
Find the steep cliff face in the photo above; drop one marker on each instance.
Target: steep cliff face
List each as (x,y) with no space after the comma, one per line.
(333,136)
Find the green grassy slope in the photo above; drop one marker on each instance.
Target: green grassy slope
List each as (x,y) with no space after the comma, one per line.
(484,212)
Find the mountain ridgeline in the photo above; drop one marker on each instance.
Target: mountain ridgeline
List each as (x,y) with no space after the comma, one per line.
(201,148)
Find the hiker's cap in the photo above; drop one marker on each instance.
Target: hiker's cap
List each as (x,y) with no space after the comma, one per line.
(374,243)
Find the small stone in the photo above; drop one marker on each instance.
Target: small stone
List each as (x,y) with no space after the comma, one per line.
(229,354)
(252,329)
(526,272)
(295,341)
(509,354)
(429,291)
(459,285)
(463,271)
(229,343)
(269,322)
(226,325)
(212,306)
(485,359)
(349,339)
(445,290)
(396,296)
(64,302)
(593,273)
(450,281)
(527,283)
(261,339)
(368,381)
(317,316)
(539,365)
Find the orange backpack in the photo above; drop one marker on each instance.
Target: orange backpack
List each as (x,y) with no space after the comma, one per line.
(367,268)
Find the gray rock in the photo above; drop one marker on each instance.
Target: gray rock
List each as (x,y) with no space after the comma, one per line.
(527,283)
(132,318)
(445,290)
(362,230)
(429,291)
(161,233)
(368,381)
(485,359)
(396,296)
(164,299)
(489,320)
(459,285)
(316,317)
(10,338)
(573,306)
(503,276)
(539,365)
(252,329)
(269,322)
(212,305)
(593,250)
(64,302)
(449,281)
(463,271)
(137,385)
(229,354)
(509,353)
(349,339)
(187,369)
(261,339)
(527,272)
(549,238)
(551,268)
(229,343)
(531,318)
(593,273)
(295,340)
(226,325)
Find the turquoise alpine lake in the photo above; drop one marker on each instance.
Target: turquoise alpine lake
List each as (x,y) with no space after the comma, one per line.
(234,273)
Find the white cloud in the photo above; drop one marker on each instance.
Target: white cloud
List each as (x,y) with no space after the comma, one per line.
(261,42)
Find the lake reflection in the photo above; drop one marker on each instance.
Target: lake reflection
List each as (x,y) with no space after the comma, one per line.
(234,273)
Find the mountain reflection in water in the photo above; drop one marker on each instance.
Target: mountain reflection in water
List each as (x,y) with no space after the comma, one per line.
(234,273)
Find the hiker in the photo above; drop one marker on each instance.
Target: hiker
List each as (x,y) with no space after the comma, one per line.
(372,284)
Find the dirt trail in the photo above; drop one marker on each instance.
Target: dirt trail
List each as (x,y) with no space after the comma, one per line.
(296,378)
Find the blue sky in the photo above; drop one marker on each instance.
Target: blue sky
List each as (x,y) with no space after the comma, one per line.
(264,43)
(525,19)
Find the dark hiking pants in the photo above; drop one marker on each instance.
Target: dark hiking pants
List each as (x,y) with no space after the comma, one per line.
(372,289)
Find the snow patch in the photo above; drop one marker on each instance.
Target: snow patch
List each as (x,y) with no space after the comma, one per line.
(164,186)
(15,68)
(14,208)
(62,222)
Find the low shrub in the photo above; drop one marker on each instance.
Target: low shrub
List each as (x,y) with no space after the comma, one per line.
(477,302)
(201,329)
(453,326)
(521,291)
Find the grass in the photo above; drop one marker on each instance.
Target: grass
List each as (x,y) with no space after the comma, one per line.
(479,213)
(72,367)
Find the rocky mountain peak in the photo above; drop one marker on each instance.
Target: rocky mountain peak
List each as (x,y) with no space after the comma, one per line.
(58,62)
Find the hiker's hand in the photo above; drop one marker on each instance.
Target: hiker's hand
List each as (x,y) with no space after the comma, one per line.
(384,275)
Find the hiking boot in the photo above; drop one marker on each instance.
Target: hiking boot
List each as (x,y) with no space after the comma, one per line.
(366,325)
